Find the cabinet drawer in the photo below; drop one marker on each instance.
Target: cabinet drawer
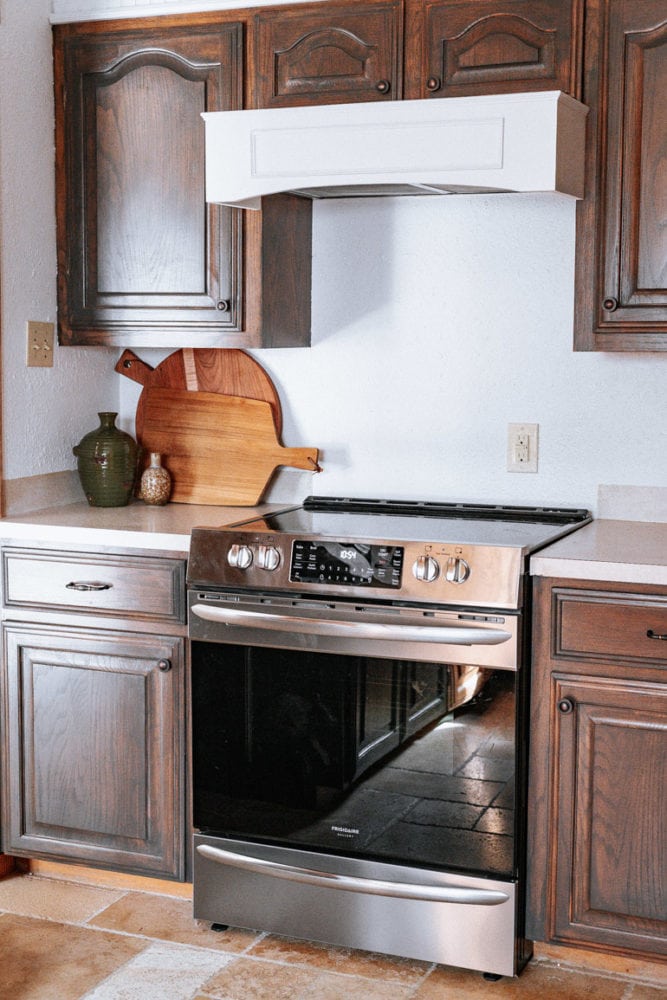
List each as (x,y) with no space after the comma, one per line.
(610,627)
(134,587)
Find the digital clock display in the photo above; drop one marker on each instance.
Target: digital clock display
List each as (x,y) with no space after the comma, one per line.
(346,564)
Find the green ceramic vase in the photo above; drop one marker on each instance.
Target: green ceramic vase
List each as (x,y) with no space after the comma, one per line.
(107,464)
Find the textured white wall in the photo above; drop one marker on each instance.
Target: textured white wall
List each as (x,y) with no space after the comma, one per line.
(47,410)
(436,323)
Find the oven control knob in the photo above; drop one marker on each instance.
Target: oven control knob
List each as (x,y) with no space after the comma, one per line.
(240,556)
(268,557)
(426,568)
(457,570)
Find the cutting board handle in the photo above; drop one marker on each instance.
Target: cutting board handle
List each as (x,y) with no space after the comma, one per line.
(301,458)
(133,367)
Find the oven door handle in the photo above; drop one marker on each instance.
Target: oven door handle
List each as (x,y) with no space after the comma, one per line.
(372,886)
(452,634)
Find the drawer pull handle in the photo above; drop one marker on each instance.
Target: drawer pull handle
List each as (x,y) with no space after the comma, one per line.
(565,706)
(656,635)
(88,585)
(164,665)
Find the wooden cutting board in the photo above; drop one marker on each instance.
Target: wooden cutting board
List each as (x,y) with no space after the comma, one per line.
(228,371)
(220,450)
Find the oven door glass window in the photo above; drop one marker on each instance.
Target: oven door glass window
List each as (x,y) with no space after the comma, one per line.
(383,759)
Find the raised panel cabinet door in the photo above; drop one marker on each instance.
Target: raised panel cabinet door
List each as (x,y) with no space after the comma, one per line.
(611,766)
(142,260)
(464,47)
(331,53)
(93,745)
(621,264)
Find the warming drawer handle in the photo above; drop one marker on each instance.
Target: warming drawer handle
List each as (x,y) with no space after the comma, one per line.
(452,634)
(88,585)
(375,887)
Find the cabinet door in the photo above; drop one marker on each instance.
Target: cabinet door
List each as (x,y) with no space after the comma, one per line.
(611,785)
(142,260)
(459,47)
(330,53)
(621,267)
(93,745)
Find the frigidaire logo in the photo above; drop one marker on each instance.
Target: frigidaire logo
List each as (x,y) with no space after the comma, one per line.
(347,831)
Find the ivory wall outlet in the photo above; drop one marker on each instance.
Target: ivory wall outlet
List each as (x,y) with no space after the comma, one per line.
(522,447)
(39,344)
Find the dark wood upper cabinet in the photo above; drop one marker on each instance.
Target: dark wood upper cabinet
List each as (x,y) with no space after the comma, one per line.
(621,273)
(328,53)
(458,48)
(142,259)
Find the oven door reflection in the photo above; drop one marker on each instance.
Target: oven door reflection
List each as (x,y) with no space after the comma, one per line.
(385,759)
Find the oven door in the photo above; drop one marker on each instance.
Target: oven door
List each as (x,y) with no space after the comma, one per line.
(365,749)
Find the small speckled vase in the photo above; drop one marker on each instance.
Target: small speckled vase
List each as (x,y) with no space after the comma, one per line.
(107,464)
(155,485)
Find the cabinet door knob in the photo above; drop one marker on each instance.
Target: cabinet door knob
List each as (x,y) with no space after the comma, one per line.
(383,86)
(656,635)
(164,665)
(610,304)
(88,585)
(565,706)
(222,305)
(433,83)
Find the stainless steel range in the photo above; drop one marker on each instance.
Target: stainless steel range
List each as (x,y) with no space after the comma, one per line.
(360,675)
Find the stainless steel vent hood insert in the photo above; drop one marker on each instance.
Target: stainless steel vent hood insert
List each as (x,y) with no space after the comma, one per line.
(505,142)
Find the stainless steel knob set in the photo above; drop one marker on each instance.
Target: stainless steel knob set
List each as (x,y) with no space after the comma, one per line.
(242,557)
(427,568)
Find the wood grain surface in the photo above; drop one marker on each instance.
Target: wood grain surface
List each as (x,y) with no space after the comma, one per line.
(219,449)
(227,371)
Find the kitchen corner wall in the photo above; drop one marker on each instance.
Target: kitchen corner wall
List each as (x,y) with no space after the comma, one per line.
(45,410)
(436,322)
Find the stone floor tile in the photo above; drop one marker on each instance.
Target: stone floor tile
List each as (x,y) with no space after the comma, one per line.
(53,900)
(160,972)
(254,980)
(641,991)
(169,919)
(585,958)
(537,982)
(405,971)
(248,979)
(43,960)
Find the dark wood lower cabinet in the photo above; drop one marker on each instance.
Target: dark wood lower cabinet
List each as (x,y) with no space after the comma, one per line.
(598,781)
(93,747)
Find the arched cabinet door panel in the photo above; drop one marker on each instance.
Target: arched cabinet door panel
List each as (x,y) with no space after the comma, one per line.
(142,258)
(462,48)
(328,53)
(621,274)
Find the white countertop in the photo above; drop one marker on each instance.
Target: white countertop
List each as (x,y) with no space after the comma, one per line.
(615,551)
(136,526)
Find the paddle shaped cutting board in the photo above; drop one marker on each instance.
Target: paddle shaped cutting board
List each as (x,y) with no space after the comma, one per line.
(226,370)
(220,450)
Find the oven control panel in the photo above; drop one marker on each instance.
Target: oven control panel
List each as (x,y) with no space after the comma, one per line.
(346,564)
(428,572)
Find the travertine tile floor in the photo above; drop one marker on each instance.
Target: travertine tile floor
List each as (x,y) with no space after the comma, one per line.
(62,940)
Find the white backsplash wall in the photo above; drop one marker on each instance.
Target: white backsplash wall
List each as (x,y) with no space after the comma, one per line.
(438,321)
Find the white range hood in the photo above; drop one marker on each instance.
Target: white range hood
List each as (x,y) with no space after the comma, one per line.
(506,142)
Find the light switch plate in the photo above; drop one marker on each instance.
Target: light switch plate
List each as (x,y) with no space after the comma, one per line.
(39,346)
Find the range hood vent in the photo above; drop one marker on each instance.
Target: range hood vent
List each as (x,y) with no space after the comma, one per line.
(457,145)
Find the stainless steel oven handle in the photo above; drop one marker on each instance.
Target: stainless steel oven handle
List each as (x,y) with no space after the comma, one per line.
(375,887)
(452,634)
